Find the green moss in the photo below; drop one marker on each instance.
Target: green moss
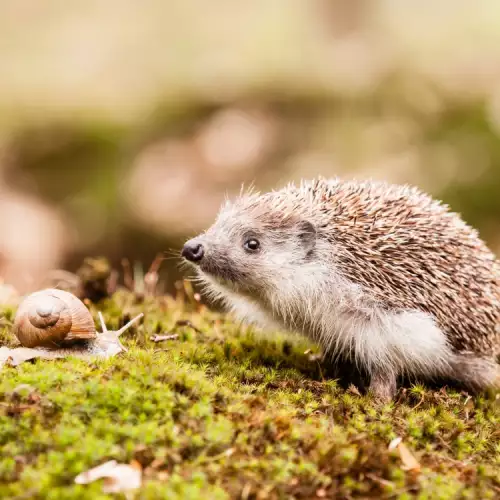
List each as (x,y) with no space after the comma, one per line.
(223,412)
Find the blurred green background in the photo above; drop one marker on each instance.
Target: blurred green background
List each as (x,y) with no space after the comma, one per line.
(123,123)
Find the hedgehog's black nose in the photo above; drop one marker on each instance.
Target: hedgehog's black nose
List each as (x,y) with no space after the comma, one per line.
(193,251)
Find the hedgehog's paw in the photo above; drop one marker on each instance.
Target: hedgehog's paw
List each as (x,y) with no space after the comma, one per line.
(383,385)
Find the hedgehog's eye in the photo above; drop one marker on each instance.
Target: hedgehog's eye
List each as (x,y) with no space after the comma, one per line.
(251,245)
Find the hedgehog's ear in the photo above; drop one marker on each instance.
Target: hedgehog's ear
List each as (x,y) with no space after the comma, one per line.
(307,234)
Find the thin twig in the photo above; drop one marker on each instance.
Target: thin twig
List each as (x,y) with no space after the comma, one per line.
(161,338)
(186,322)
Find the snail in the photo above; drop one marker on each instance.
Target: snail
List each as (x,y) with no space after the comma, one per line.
(56,323)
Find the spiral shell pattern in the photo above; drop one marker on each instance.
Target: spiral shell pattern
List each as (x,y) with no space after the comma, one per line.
(52,318)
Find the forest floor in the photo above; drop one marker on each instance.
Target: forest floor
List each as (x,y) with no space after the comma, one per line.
(224,412)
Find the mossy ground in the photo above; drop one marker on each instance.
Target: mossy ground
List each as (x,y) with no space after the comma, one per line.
(225,413)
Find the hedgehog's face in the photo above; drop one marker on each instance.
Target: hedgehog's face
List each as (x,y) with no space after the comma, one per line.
(252,253)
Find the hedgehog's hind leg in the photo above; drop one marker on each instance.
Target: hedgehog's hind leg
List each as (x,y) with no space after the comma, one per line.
(476,373)
(383,384)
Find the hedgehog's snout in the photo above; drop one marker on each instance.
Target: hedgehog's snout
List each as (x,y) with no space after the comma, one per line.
(193,251)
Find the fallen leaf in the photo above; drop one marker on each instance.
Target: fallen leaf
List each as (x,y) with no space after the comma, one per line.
(19,355)
(353,390)
(394,443)
(410,463)
(117,477)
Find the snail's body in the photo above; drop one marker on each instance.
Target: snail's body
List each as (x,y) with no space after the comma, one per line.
(380,274)
(53,323)
(85,348)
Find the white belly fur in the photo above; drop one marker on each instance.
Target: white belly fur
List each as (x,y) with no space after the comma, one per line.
(406,342)
(403,343)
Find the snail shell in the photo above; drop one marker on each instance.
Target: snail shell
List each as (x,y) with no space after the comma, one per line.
(52,318)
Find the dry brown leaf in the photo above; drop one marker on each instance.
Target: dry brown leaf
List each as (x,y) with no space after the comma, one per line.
(117,477)
(394,443)
(19,355)
(409,462)
(353,390)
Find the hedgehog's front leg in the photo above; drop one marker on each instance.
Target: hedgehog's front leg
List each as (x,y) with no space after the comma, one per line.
(383,384)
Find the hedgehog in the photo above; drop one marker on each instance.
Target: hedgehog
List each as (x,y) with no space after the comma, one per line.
(379,274)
